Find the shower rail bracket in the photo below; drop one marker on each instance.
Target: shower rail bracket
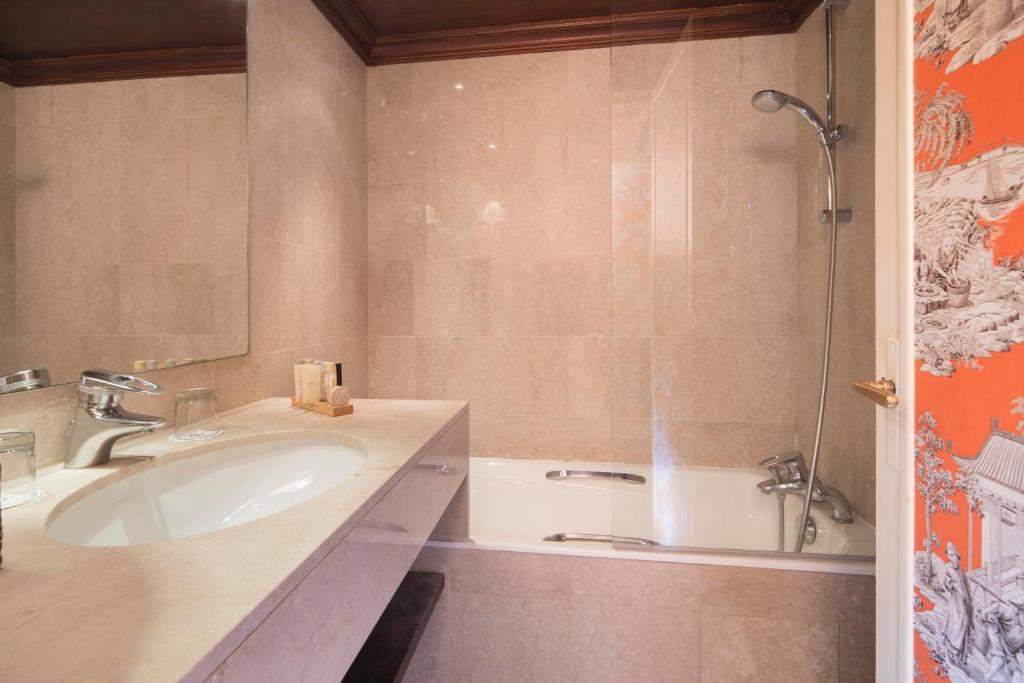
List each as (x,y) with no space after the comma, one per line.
(845,216)
(561,475)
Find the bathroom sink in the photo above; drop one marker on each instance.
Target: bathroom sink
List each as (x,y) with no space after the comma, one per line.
(203,493)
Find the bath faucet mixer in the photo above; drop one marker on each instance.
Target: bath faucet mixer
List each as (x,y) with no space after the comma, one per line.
(789,476)
(100,420)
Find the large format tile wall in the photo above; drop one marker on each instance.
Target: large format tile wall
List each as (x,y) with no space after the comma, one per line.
(307,252)
(705,198)
(517,259)
(507,616)
(848,446)
(130,223)
(489,245)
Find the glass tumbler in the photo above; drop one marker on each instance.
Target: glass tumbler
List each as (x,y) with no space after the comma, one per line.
(195,415)
(17,468)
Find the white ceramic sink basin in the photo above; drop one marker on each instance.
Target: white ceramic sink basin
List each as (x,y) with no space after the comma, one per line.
(215,490)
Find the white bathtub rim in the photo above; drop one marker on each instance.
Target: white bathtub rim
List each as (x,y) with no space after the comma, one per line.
(819,564)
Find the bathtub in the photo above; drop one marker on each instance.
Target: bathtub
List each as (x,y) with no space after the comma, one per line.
(704,515)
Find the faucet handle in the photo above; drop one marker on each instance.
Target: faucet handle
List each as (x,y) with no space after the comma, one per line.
(107,383)
(782,460)
(791,461)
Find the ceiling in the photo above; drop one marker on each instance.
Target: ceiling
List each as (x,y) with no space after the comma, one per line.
(70,41)
(394,31)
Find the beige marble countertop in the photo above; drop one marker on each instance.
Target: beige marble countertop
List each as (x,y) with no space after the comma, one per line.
(174,610)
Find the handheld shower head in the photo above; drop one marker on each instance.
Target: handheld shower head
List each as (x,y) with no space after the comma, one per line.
(771,101)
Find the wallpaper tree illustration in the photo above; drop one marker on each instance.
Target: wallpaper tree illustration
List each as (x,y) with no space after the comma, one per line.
(935,484)
(942,129)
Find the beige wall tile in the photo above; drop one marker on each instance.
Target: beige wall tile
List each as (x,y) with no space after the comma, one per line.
(71,300)
(454,369)
(715,379)
(396,221)
(568,376)
(351,303)
(392,298)
(311,296)
(504,639)
(636,584)
(392,363)
(779,594)
(34,106)
(856,653)
(87,102)
(736,649)
(588,71)
(152,177)
(150,98)
(451,297)
(217,95)
(551,437)
(721,444)
(513,575)
(612,643)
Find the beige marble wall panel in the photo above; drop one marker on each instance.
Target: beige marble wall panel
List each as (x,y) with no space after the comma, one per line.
(607,200)
(489,242)
(502,612)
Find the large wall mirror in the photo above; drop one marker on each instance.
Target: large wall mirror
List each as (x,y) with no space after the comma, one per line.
(123,184)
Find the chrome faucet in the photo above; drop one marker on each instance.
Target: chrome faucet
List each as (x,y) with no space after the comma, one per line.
(789,476)
(100,420)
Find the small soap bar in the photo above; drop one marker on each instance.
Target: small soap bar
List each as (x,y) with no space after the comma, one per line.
(340,396)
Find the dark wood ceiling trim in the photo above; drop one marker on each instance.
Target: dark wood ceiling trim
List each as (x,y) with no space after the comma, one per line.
(799,10)
(752,18)
(348,20)
(125,65)
(6,72)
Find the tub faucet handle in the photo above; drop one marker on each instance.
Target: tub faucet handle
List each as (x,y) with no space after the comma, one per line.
(789,466)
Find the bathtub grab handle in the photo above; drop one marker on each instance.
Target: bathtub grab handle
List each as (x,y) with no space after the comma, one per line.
(600,538)
(560,475)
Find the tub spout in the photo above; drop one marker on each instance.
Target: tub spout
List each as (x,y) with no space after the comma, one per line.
(841,511)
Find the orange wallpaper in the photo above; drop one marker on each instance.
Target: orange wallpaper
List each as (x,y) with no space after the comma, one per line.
(969,300)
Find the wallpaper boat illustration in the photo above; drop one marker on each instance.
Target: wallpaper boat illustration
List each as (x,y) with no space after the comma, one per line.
(969,340)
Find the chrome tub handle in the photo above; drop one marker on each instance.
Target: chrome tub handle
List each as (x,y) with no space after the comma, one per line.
(561,475)
(599,538)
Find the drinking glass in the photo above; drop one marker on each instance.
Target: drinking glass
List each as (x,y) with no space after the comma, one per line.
(195,415)
(17,468)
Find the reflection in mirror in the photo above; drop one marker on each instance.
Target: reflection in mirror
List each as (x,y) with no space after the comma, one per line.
(123,184)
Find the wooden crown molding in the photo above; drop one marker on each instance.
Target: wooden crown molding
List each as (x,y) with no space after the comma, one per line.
(6,72)
(348,20)
(760,18)
(124,65)
(799,10)
(755,17)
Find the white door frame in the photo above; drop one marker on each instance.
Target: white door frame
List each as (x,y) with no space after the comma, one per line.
(894,338)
